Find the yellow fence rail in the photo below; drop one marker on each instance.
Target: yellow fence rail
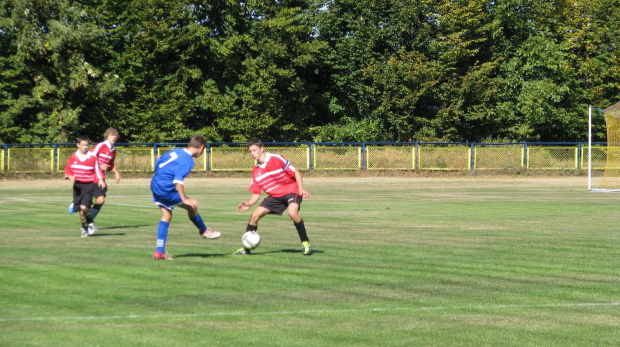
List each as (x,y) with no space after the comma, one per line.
(498,157)
(453,157)
(337,157)
(552,158)
(30,160)
(390,158)
(308,156)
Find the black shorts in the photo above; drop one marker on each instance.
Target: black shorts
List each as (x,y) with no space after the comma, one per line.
(83,194)
(100,191)
(279,205)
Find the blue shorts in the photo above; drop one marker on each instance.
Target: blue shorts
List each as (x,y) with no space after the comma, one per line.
(169,201)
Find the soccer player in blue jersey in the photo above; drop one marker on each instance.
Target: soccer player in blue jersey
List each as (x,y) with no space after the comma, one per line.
(168,191)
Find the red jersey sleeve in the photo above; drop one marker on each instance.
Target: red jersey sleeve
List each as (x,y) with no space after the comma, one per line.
(68,169)
(254,187)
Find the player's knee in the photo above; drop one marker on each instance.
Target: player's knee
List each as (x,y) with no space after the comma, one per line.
(192,211)
(255,218)
(293,212)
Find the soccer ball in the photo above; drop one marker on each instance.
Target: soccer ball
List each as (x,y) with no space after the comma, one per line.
(250,240)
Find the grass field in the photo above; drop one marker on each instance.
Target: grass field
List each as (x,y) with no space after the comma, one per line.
(397,262)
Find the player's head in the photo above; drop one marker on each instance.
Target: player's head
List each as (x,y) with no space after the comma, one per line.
(255,141)
(111,134)
(256,148)
(82,143)
(198,143)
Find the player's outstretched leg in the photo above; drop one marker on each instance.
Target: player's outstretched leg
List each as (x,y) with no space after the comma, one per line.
(196,219)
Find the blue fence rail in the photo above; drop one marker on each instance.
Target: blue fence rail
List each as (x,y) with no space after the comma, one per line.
(416,156)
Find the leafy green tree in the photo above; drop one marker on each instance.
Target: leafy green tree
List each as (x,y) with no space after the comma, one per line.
(343,70)
(377,65)
(14,82)
(271,64)
(591,35)
(56,45)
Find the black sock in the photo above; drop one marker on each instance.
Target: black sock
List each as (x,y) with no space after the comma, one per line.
(301,230)
(95,210)
(251,227)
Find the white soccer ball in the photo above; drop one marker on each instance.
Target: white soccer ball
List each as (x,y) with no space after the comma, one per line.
(250,240)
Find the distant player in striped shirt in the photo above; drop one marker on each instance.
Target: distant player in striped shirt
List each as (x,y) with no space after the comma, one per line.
(83,170)
(105,153)
(285,189)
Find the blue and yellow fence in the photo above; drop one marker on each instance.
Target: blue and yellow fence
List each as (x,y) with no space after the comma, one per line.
(46,158)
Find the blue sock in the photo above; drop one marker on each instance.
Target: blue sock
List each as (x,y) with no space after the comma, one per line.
(94,211)
(162,235)
(198,223)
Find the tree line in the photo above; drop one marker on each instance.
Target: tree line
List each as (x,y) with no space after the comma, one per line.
(307,70)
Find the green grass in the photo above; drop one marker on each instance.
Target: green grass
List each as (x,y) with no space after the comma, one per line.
(397,262)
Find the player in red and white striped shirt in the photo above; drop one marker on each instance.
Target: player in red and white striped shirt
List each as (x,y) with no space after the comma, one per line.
(105,153)
(283,183)
(83,170)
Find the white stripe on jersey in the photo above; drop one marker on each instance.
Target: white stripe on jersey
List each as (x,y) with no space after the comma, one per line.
(268,174)
(274,182)
(82,167)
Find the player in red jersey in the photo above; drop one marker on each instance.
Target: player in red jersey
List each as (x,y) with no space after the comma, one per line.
(285,189)
(83,170)
(105,153)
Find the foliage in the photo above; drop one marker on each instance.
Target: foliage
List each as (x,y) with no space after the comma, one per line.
(306,70)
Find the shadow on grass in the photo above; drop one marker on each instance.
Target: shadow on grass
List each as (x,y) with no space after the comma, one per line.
(123,227)
(254,253)
(98,233)
(201,255)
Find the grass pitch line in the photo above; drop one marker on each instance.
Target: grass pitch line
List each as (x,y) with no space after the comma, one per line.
(255,313)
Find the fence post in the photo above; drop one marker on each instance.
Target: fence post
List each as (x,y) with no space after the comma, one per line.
(154,156)
(416,157)
(310,157)
(525,155)
(579,155)
(363,155)
(6,159)
(55,158)
(472,153)
(208,157)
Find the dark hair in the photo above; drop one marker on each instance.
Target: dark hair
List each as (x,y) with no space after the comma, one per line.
(197,141)
(255,141)
(82,138)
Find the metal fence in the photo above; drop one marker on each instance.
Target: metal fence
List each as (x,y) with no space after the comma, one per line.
(45,158)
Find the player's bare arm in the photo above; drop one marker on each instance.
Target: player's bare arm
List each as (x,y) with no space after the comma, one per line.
(117,175)
(244,206)
(186,200)
(300,182)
